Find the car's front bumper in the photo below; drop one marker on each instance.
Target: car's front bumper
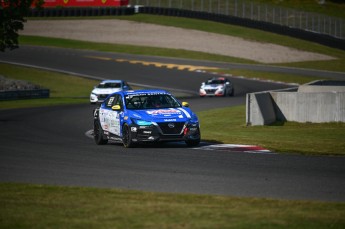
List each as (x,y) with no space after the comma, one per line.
(159,132)
(211,92)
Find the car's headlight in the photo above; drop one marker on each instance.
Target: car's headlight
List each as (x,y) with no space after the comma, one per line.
(142,122)
(92,93)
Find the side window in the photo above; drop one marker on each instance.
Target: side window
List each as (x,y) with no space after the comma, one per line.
(118,100)
(110,101)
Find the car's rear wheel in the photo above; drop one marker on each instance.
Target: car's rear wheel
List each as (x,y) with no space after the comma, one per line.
(127,137)
(98,134)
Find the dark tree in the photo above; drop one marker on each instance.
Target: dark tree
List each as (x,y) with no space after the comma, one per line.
(12,18)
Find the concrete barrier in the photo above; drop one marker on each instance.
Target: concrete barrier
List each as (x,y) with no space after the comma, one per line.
(260,110)
(317,102)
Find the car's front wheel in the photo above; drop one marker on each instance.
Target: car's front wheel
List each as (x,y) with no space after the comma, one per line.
(127,136)
(98,134)
(193,143)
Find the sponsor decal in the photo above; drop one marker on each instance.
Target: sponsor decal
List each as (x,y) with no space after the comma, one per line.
(170,120)
(89,3)
(125,118)
(147,132)
(163,112)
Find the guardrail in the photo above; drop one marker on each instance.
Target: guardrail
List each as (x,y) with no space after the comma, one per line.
(24,94)
(245,22)
(308,21)
(323,39)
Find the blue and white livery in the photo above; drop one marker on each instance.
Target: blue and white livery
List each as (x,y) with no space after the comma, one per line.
(135,117)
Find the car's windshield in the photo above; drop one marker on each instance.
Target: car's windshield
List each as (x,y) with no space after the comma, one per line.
(150,101)
(215,82)
(109,85)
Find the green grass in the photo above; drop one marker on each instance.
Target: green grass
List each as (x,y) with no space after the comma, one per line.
(64,89)
(290,137)
(41,206)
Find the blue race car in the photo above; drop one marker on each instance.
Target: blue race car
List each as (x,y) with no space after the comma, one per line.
(134,117)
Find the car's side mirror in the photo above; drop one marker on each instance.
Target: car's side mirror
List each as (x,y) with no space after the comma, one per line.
(116,108)
(185,104)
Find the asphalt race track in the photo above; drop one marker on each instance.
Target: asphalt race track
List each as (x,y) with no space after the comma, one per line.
(49,145)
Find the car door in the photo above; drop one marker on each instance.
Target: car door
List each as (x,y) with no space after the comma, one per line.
(109,118)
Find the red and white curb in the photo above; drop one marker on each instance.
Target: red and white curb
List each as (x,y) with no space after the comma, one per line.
(220,147)
(236,148)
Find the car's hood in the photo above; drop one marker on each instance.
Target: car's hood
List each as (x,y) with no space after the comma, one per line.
(181,114)
(105,90)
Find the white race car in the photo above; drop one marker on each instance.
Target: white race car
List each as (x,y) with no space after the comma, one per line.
(107,87)
(217,86)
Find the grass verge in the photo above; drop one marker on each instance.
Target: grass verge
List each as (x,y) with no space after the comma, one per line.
(64,89)
(41,206)
(227,125)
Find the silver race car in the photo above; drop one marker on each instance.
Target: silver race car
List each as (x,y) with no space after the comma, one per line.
(217,86)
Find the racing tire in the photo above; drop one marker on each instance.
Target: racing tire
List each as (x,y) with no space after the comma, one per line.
(193,143)
(98,134)
(127,137)
(232,92)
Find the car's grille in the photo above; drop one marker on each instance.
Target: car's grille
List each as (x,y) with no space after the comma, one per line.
(210,90)
(171,127)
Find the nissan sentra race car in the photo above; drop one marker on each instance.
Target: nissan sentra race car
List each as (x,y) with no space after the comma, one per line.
(217,86)
(134,117)
(107,87)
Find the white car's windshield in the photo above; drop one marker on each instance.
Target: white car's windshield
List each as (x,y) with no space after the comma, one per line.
(109,85)
(150,101)
(209,82)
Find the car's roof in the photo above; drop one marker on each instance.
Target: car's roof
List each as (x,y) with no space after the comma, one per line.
(218,78)
(111,81)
